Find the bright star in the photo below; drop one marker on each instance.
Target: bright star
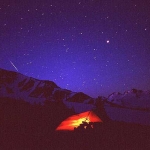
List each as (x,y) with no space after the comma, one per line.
(107,41)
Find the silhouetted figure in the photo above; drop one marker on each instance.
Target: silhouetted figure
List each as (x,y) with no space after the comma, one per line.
(100,110)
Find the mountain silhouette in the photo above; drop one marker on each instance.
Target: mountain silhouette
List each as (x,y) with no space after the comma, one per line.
(18,86)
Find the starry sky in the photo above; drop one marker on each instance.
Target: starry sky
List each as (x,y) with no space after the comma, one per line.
(91,46)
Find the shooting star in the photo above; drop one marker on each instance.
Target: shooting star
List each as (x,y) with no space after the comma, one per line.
(13,65)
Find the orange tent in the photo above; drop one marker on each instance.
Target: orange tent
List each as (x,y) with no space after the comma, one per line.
(75,120)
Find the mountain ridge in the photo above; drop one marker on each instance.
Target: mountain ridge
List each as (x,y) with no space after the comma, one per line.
(134,99)
(19,86)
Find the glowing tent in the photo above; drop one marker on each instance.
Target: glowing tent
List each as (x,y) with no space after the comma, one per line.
(75,121)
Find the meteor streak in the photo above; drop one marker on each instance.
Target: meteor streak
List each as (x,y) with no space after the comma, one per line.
(13,65)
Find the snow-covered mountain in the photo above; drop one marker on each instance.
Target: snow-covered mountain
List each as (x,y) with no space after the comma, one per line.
(136,99)
(132,106)
(18,86)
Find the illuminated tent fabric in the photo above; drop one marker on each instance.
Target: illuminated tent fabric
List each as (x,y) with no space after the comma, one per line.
(75,120)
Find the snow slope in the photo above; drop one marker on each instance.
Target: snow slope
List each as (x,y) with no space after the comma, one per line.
(18,86)
(136,99)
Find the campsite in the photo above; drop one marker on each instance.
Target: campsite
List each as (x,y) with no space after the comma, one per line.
(26,126)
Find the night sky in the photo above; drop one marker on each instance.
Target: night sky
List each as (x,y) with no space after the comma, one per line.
(91,46)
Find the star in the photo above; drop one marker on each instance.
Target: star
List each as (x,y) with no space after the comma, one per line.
(107,41)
